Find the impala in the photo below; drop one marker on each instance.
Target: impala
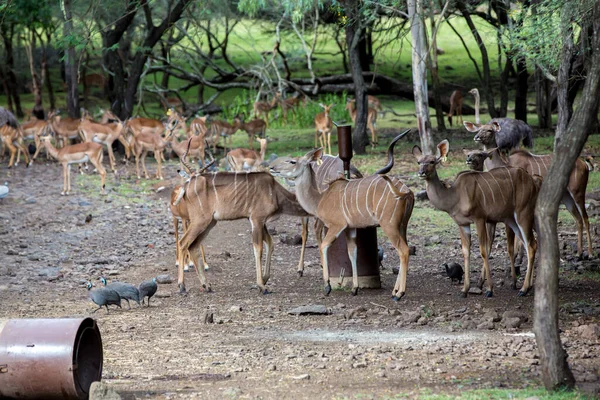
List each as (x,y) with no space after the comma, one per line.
(13,140)
(323,125)
(262,109)
(194,147)
(32,130)
(256,127)
(289,104)
(371,119)
(223,129)
(65,129)
(104,134)
(246,159)
(456,103)
(76,154)
(376,104)
(346,205)
(500,195)
(154,142)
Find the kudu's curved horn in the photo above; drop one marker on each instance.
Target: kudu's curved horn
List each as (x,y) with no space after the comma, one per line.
(390,163)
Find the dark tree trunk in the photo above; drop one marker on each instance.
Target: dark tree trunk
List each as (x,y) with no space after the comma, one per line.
(38,108)
(567,147)
(153,36)
(165,50)
(12,83)
(70,65)
(363,49)
(564,73)
(340,44)
(360,140)
(521,91)
(9,100)
(543,102)
(503,110)
(489,94)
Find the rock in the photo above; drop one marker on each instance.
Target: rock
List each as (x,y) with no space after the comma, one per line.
(271,367)
(208,318)
(164,279)
(591,331)
(423,321)
(492,316)
(113,272)
(50,273)
(235,309)
(515,314)
(486,325)
(102,391)
(316,309)
(301,377)
(361,364)
(475,290)
(412,250)
(162,295)
(435,239)
(30,200)
(511,322)
(84,203)
(412,317)
(160,189)
(11,252)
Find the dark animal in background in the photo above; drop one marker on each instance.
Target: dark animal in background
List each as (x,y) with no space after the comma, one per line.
(125,290)
(147,288)
(103,297)
(454,271)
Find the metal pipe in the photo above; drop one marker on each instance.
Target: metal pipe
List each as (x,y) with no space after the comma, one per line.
(345,147)
(49,358)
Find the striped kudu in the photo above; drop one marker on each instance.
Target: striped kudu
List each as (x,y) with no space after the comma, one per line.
(500,195)
(227,196)
(346,205)
(574,196)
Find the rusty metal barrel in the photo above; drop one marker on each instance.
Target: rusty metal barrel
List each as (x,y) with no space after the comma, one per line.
(367,259)
(49,358)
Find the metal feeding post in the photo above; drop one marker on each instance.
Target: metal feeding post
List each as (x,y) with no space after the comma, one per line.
(345,146)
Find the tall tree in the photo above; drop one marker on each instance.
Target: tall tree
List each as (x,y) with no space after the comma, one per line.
(70,61)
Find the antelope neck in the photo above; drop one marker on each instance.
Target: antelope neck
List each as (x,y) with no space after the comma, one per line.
(443,198)
(307,191)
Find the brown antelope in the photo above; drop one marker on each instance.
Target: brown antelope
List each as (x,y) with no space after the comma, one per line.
(323,126)
(256,127)
(145,142)
(96,80)
(64,129)
(104,134)
(500,195)
(223,129)
(32,130)
(12,138)
(289,104)
(371,119)
(76,154)
(245,159)
(195,147)
(172,103)
(456,103)
(346,205)
(328,170)
(198,127)
(263,108)
(376,104)
(228,196)
(574,196)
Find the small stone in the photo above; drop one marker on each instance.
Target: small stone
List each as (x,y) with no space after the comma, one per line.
(591,331)
(412,250)
(361,364)
(84,203)
(160,189)
(30,200)
(316,309)
(102,391)
(113,272)
(475,290)
(162,295)
(271,367)
(515,314)
(492,316)
(301,377)
(208,318)
(511,322)
(412,317)
(486,325)
(235,309)
(164,279)
(12,253)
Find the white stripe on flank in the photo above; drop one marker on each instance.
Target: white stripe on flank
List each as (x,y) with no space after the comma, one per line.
(500,188)
(491,190)
(357,189)
(394,212)
(385,188)
(482,192)
(367,197)
(215,188)
(344,205)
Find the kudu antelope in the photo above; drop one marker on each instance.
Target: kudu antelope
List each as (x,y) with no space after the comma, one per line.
(76,154)
(226,196)
(262,108)
(245,159)
(574,196)
(371,119)
(376,200)
(500,195)
(456,104)
(323,126)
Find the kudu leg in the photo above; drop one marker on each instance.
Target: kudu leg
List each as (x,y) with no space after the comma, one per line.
(398,240)
(577,212)
(465,239)
(491,234)
(257,244)
(268,241)
(193,253)
(483,248)
(177,247)
(511,246)
(524,223)
(332,234)
(352,254)
(204,263)
(65,168)
(197,230)
(300,268)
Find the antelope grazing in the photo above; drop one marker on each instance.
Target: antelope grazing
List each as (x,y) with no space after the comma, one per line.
(456,103)
(256,127)
(223,129)
(64,129)
(12,139)
(104,134)
(574,196)
(328,170)
(262,108)
(500,195)
(226,196)
(32,130)
(371,119)
(76,154)
(155,143)
(376,200)
(323,126)
(246,159)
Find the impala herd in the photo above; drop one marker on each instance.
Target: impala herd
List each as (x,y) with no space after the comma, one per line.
(501,188)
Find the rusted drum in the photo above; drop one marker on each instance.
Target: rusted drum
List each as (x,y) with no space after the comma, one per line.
(340,268)
(49,358)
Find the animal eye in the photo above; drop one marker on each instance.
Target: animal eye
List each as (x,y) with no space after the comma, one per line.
(431,162)
(293,162)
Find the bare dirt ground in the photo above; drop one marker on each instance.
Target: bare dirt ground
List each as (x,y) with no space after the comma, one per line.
(431,341)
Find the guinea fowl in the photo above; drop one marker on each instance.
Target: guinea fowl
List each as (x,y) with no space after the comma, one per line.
(125,290)
(454,271)
(148,288)
(103,297)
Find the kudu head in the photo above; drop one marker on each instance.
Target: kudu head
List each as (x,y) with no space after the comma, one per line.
(484,134)
(475,159)
(292,168)
(427,162)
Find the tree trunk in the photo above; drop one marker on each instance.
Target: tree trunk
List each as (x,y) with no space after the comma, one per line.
(433,68)
(543,100)
(46,74)
(567,147)
(419,73)
(360,140)
(12,82)
(70,64)
(9,100)
(503,110)
(38,108)
(521,90)
(564,74)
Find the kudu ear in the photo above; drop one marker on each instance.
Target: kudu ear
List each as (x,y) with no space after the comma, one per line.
(416,151)
(496,127)
(471,127)
(442,149)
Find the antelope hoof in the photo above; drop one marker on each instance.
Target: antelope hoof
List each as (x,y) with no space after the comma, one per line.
(398,296)
(523,293)
(265,291)
(62,193)
(327,289)
(300,274)
(489,293)
(463,295)
(355,291)
(182,288)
